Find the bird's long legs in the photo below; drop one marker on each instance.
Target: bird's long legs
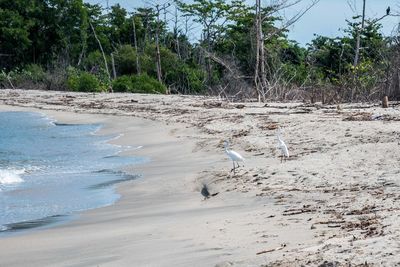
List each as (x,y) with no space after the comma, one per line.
(234,167)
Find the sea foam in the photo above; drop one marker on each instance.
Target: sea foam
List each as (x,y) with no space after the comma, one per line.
(10,176)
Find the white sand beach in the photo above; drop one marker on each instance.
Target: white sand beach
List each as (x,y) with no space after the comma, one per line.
(334,202)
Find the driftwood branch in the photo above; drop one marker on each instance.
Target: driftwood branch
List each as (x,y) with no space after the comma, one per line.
(221,62)
(297,211)
(271,250)
(8,79)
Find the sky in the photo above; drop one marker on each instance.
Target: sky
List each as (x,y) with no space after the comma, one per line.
(327,18)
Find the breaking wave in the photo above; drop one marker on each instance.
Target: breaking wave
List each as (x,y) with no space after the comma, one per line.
(11,176)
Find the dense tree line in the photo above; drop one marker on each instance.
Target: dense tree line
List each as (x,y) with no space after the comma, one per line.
(241,52)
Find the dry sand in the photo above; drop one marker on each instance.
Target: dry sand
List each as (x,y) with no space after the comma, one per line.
(335,202)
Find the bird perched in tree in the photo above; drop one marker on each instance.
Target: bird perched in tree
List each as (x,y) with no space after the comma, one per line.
(388,10)
(233,155)
(282,146)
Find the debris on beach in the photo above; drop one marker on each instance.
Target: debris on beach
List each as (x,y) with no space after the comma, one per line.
(369,116)
(271,250)
(340,193)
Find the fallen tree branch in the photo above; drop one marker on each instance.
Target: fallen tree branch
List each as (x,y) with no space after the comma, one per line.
(8,79)
(271,250)
(297,211)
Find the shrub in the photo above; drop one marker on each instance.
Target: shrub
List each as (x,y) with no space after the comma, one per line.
(138,84)
(72,78)
(179,75)
(82,81)
(187,79)
(34,72)
(146,84)
(3,79)
(122,84)
(56,78)
(88,83)
(32,76)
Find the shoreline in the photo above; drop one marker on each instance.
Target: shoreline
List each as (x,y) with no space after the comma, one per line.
(151,171)
(332,202)
(36,224)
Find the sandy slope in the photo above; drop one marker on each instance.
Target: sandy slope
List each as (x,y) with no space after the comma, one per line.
(334,200)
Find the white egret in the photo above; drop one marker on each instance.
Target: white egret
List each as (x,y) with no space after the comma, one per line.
(282,146)
(233,155)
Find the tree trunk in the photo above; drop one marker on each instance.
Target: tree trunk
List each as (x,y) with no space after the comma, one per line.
(176,34)
(158,57)
(136,47)
(385,102)
(262,58)
(113,66)
(260,74)
(358,40)
(104,56)
(257,65)
(208,60)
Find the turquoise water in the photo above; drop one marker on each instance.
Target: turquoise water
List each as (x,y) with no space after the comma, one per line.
(48,170)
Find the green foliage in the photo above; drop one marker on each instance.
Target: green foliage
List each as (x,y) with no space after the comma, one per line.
(94,60)
(187,79)
(145,84)
(121,25)
(39,39)
(363,78)
(146,23)
(3,79)
(31,76)
(73,78)
(335,56)
(169,61)
(125,60)
(123,84)
(177,74)
(238,40)
(212,15)
(88,83)
(138,84)
(82,81)
(14,36)
(35,72)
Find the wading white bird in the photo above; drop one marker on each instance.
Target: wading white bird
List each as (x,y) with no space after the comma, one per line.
(234,156)
(282,146)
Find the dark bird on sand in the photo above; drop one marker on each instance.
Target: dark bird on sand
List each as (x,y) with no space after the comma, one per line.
(206,194)
(388,10)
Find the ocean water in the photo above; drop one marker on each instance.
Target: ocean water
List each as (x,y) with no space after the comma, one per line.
(49,170)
